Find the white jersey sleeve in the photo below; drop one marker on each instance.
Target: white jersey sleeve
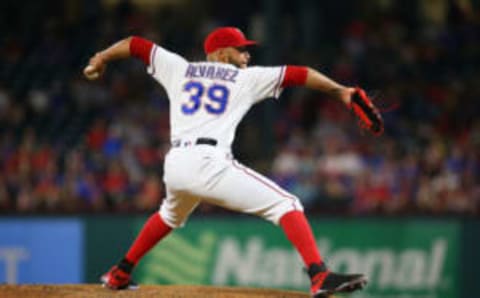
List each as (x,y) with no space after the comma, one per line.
(165,66)
(265,82)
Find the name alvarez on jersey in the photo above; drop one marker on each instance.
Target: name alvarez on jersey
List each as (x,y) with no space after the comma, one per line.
(213,72)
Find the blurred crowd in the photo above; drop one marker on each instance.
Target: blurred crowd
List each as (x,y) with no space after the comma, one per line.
(428,82)
(69,145)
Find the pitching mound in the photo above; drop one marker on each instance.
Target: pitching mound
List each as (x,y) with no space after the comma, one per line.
(87,291)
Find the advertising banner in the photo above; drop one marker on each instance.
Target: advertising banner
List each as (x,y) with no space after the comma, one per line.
(402,258)
(107,239)
(41,251)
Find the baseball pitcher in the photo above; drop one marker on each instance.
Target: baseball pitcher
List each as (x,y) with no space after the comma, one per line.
(207,101)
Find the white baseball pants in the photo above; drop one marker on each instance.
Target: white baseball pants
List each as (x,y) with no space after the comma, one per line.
(198,173)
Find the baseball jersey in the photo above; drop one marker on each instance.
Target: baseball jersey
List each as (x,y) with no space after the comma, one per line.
(209,99)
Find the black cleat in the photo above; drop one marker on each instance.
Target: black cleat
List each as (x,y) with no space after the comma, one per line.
(117,279)
(325,283)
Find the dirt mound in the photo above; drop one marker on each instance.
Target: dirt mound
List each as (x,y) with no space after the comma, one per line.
(97,291)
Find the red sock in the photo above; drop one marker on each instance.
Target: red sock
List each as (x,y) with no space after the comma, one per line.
(152,232)
(298,231)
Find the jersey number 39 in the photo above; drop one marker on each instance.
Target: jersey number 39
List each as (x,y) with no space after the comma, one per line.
(216,97)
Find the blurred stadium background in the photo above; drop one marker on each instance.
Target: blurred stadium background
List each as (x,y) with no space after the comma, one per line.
(81,162)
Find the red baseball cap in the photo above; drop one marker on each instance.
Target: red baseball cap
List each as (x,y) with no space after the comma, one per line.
(224,37)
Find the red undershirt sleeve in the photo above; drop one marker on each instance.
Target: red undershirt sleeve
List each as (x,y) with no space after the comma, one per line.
(140,48)
(295,76)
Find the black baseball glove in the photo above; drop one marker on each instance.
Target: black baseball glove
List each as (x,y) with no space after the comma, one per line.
(368,115)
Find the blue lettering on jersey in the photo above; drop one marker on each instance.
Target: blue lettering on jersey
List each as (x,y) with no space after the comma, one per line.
(211,72)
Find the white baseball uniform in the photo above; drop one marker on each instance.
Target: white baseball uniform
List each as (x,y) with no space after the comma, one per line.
(207,102)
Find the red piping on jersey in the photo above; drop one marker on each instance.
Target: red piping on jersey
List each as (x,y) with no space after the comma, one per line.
(152,57)
(272,187)
(295,76)
(140,48)
(278,85)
